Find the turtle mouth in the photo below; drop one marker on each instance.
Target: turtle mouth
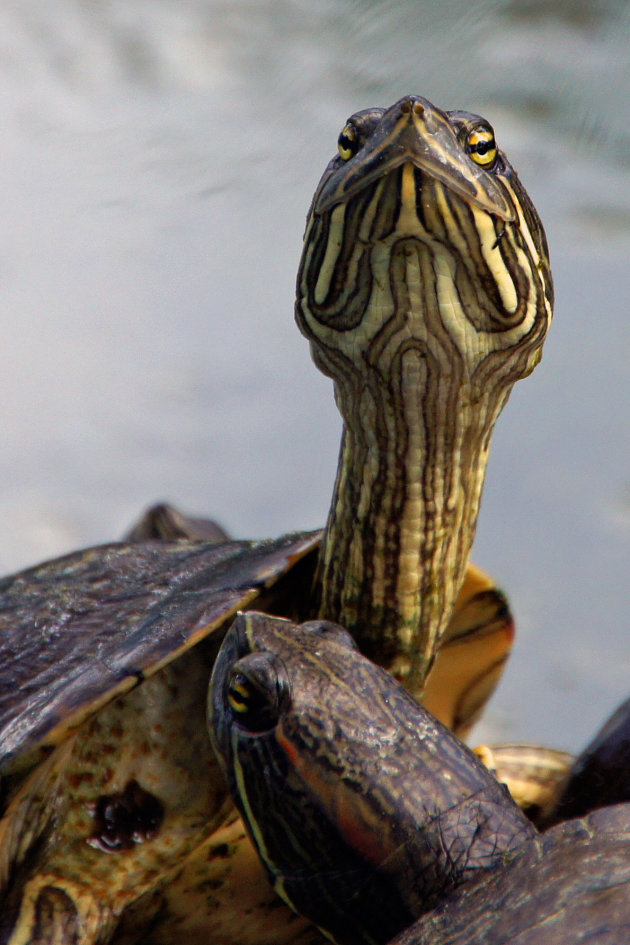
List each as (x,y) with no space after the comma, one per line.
(417,133)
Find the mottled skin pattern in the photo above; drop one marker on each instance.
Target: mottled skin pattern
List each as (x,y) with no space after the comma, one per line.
(146,736)
(366,812)
(571,886)
(96,623)
(220,894)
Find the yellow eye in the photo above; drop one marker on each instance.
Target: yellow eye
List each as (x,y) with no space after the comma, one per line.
(347,142)
(257,691)
(481,146)
(239,694)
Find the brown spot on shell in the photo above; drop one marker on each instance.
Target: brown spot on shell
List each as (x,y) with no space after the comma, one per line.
(221,850)
(124,819)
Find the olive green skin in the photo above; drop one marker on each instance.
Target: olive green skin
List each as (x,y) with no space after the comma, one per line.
(105,657)
(366,811)
(82,633)
(570,885)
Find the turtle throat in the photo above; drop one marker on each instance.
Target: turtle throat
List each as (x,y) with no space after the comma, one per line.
(403,514)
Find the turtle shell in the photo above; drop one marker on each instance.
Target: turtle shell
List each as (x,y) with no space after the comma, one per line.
(105,656)
(601,774)
(80,630)
(569,886)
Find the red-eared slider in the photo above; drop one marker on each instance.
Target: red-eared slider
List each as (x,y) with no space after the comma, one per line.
(425,292)
(368,814)
(552,785)
(601,774)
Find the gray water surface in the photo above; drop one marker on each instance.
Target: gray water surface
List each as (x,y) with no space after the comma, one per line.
(158,160)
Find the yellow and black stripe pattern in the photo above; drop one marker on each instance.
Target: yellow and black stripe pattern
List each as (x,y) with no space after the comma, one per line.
(425,291)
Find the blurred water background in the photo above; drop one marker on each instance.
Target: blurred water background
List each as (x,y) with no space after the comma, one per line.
(158,159)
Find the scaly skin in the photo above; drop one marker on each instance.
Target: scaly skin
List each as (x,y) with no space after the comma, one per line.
(365,811)
(425,291)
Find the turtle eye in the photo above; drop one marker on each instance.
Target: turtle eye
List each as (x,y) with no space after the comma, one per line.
(256,692)
(348,142)
(481,146)
(240,694)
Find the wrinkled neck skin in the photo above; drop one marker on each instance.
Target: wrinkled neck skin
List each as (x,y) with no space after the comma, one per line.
(404,511)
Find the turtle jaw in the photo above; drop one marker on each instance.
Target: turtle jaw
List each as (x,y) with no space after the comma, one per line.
(273,777)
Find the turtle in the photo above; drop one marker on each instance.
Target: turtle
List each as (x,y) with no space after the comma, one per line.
(425,291)
(535,774)
(375,821)
(600,776)
(552,786)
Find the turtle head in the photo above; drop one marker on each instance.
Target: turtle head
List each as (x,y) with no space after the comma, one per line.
(425,292)
(363,808)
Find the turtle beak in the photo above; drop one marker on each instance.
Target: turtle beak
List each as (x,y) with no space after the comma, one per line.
(415,132)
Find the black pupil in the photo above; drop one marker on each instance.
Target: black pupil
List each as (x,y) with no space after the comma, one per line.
(255,709)
(347,143)
(257,691)
(482,146)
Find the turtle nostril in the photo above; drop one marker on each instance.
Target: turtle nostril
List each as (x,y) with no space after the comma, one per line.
(411,104)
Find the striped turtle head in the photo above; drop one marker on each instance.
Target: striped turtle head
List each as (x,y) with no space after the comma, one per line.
(421,219)
(364,810)
(425,291)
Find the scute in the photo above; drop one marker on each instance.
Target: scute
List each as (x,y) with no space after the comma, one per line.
(107,653)
(601,774)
